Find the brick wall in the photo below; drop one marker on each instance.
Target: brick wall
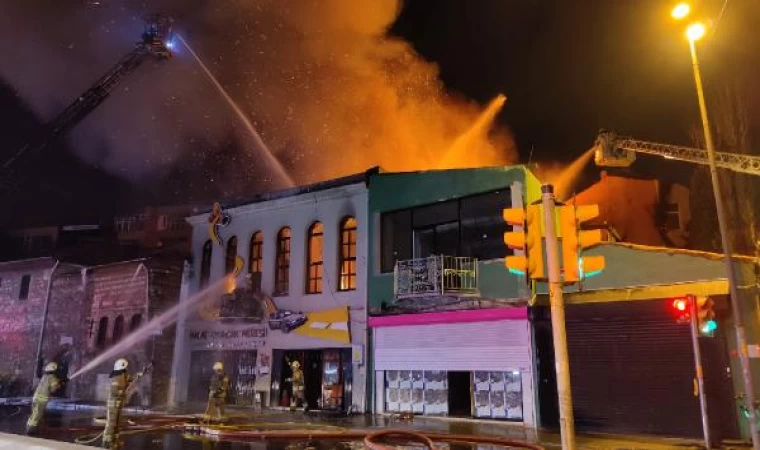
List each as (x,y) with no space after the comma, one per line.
(66,327)
(79,298)
(165,283)
(21,319)
(114,292)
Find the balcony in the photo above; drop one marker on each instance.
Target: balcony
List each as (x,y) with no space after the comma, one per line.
(436,276)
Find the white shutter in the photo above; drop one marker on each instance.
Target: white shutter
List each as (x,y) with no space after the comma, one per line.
(496,346)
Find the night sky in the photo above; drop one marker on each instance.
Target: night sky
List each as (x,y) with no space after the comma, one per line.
(567,69)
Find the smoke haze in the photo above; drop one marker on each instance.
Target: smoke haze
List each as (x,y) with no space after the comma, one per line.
(329,91)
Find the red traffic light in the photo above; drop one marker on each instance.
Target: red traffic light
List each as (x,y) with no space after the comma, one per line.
(679,304)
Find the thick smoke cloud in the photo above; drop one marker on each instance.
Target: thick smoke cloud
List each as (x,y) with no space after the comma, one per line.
(326,87)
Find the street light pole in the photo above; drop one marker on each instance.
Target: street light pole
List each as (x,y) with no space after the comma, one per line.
(741,341)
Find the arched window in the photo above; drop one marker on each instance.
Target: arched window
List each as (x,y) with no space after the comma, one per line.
(347,255)
(118,329)
(134,322)
(208,248)
(282,274)
(102,332)
(314,258)
(230,255)
(256,259)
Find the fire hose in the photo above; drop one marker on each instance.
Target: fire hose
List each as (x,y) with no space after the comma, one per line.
(303,431)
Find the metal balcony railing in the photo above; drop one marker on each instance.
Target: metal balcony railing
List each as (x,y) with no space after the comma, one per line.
(436,276)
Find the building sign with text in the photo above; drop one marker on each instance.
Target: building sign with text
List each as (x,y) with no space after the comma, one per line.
(240,337)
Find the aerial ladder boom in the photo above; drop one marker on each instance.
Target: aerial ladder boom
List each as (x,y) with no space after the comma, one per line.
(156,42)
(613,151)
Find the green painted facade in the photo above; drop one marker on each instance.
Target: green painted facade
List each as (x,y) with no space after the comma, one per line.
(626,266)
(396,191)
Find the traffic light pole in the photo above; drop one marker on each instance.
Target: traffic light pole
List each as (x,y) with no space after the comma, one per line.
(559,334)
(698,367)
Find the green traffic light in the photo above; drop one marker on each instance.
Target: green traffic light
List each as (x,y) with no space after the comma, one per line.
(709,326)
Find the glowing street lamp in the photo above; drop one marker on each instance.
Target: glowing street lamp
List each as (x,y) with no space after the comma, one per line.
(695,31)
(680,11)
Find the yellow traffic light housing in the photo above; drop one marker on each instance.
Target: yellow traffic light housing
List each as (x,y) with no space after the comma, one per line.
(575,240)
(525,237)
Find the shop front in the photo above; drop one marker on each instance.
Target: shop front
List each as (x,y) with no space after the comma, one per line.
(470,363)
(237,346)
(258,356)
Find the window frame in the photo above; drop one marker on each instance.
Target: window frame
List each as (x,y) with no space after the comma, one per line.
(24,287)
(118,329)
(101,338)
(315,279)
(135,321)
(507,191)
(282,262)
(350,276)
(207,255)
(256,261)
(230,255)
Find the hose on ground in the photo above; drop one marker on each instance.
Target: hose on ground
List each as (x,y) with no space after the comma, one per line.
(88,438)
(370,440)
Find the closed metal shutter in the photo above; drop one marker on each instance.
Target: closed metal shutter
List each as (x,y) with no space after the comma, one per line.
(631,369)
(486,346)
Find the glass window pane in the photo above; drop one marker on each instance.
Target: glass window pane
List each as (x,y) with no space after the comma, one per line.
(483,226)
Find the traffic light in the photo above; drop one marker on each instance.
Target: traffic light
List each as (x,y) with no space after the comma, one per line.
(680,309)
(706,323)
(528,240)
(575,240)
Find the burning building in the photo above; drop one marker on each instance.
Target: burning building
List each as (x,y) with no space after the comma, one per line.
(297,261)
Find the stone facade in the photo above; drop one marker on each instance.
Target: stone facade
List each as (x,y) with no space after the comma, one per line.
(23,293)
(90,309)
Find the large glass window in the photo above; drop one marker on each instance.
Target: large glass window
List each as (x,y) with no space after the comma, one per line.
(314,260)
(347,254)
(470,226)
(256,260)
(483,226)
(282,274)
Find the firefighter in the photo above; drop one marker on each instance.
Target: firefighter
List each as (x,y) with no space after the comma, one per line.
(297,382)
(47,386)
(121,381)
(217,394)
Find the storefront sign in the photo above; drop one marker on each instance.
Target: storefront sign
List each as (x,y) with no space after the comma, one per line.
(230,337)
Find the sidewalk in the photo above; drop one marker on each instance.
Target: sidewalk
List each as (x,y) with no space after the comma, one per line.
(548,438)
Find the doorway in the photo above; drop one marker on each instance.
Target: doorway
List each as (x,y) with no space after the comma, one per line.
(460,394)
(311,365)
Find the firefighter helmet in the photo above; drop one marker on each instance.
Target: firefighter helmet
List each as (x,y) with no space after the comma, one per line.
(120,364)
(218,366)
(51,367)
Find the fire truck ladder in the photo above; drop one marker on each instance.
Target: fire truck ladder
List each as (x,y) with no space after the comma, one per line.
(156,42)
(613,151)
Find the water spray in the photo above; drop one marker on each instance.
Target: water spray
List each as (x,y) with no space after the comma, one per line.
(271,158)
(478,129)
(155,325)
